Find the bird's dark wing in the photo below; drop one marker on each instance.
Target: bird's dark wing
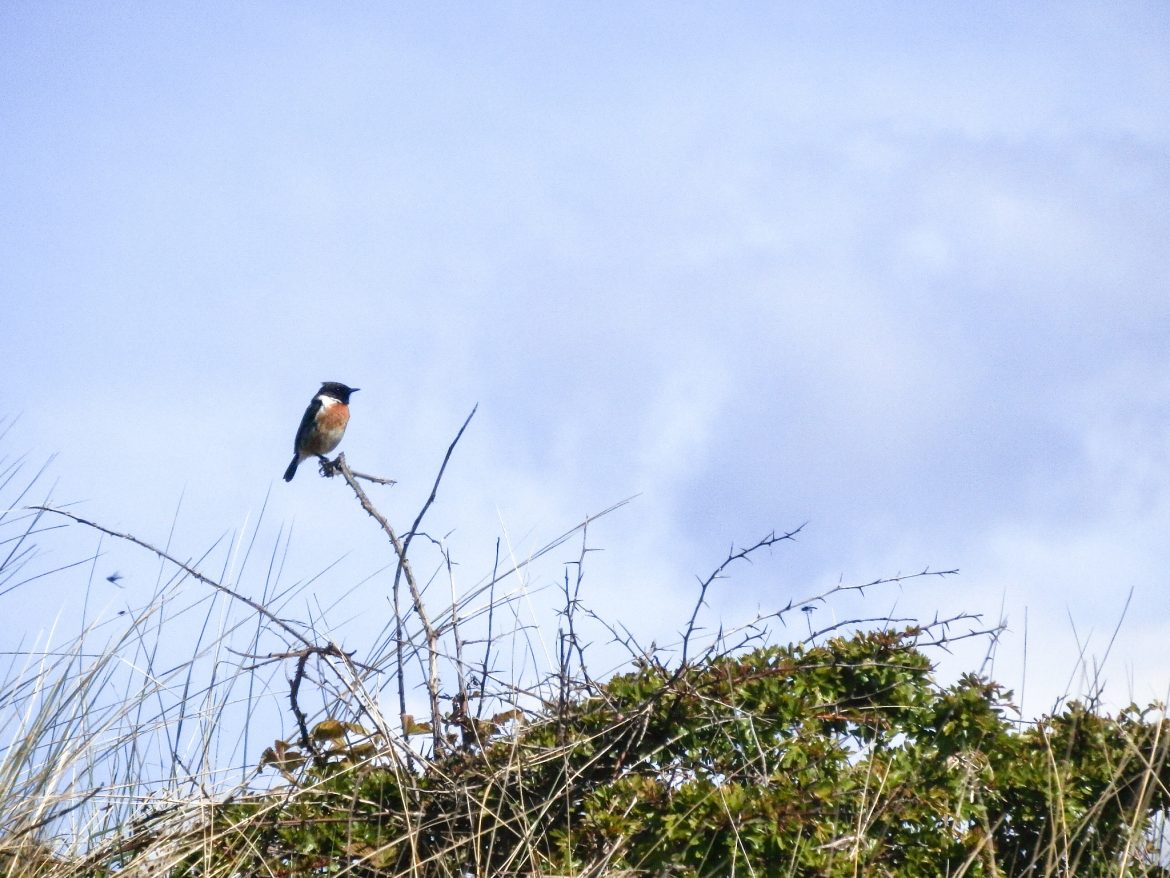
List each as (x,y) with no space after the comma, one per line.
(306,424)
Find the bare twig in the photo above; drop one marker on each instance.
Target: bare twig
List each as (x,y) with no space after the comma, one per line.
(569,644)
(485,668)
(294,689)
(732,556)
(401,547)
(329,468)
(438,478)
(302,656)
(404,568)
(375,479)
(460,700)
(399,649)
(260,609)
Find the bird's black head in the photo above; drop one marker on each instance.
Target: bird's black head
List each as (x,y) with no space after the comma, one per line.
(336,390)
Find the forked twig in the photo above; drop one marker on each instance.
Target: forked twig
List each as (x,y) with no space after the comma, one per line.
(732,556)
(432,635)
(401,545)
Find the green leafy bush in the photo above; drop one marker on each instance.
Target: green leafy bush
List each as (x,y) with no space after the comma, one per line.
(844,758)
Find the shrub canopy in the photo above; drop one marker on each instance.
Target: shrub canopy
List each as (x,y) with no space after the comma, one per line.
(840,759)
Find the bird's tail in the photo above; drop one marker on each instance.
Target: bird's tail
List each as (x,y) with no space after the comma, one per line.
(292,468)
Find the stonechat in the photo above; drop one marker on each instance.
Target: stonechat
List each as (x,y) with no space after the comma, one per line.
(322,426)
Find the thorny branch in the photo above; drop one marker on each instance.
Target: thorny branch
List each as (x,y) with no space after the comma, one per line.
(401,545)
(432,635)
(302,656)
(375,479)
(704,584)
(260,609)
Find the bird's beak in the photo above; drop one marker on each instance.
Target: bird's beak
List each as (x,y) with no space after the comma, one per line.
(354,389)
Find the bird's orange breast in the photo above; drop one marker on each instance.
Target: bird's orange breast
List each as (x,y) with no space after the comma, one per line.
(333,417)
(331,421)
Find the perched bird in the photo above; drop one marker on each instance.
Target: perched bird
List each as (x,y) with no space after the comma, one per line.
(322,426)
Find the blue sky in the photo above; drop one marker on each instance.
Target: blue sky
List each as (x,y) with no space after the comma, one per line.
(899,271)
